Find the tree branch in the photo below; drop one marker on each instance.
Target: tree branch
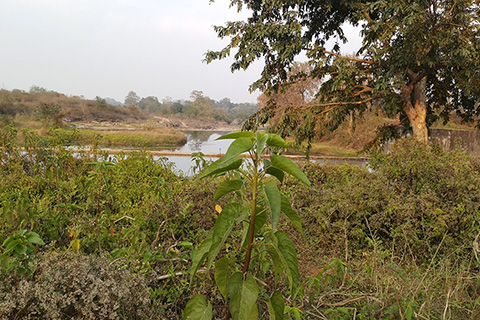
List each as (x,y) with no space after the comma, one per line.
(364,90)
(348,58)
(345,57)
(337,104)
(451,10)
(416,77)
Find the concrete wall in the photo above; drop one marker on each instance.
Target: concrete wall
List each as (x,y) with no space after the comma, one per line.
(465,140)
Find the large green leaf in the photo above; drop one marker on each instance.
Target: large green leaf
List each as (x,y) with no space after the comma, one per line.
(230,161)
(284,257)
(288,166)
(21,249)
(220,166)
(279,265)
(10,244)
(261,141)
(200,255)
(276,306)
(243,296)
(236,135)
(274,140)
(245,213)
(260,220)
(289,255)
(221,230)
(254,313)
(34,238)
(221,276)
(227,187)
(239,146)
(291,213)
(198,309)
(277,173)
(274,199)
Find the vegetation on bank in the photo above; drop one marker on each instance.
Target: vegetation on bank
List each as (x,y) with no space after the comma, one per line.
(52,108)
(153,138)
(397,240)
(138,139)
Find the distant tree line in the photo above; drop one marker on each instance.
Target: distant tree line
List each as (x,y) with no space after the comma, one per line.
(198,106)
(41,103)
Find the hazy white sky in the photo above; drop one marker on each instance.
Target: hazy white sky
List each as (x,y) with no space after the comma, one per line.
(109,47)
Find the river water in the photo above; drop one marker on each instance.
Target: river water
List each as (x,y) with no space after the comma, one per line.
(197,141)
(205,142)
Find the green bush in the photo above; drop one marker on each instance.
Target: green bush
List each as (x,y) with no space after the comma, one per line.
(408,201)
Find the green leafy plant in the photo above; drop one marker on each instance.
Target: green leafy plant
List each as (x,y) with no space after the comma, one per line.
(198,158)
(257,201)
(99,181)
(19,252)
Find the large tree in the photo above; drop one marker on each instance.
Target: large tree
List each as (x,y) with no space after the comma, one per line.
(132,99)
(420,59)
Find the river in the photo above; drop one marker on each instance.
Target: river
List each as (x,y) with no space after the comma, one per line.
(205,142)
(197,141)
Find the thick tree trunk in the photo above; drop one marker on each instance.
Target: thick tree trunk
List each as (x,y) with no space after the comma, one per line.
(415,106)
(350,125)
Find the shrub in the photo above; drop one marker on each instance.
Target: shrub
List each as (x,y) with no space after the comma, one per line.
(409,202)
(73,286)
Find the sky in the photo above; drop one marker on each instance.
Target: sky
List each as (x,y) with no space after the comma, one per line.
(107,48)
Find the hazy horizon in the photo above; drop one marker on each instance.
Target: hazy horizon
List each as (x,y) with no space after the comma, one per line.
(110,47)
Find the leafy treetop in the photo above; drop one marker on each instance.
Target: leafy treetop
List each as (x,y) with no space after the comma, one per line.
(420,59)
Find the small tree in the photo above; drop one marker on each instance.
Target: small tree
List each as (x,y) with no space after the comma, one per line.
(132,99)
(259,200)
(49,114)
(150,104)
(199,106)
(101,103)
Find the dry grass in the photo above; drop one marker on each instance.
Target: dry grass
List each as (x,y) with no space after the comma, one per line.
(347,142)
(142,138)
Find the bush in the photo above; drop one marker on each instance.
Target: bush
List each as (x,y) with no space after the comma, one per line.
(73,286)
(408,203)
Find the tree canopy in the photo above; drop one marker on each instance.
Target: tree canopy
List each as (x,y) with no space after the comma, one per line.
(419,60)
(132,99)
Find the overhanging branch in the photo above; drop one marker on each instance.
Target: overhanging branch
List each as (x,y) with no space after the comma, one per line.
(349,58)
(335,105)
(345,57)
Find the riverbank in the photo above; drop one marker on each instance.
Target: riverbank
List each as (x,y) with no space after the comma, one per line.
(122,138)
(155,122)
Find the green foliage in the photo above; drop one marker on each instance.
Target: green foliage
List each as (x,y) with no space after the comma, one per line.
(259,199)
(413,198)
(418,60)
(132,99)
(101,103)
(198,309)
(49,114)
(19,252)
(398,238)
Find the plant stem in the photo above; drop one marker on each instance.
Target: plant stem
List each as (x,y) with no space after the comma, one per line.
(251,235)
(97,223)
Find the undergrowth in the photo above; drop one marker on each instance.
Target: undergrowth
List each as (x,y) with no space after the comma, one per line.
(395,240)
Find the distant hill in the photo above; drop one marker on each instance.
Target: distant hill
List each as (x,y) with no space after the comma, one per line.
(114,102)
(18,102)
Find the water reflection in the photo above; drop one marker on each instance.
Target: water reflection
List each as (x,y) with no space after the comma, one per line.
(198,141)
(203,141)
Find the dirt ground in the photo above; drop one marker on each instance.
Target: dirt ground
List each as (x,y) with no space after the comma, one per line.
(177,123)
